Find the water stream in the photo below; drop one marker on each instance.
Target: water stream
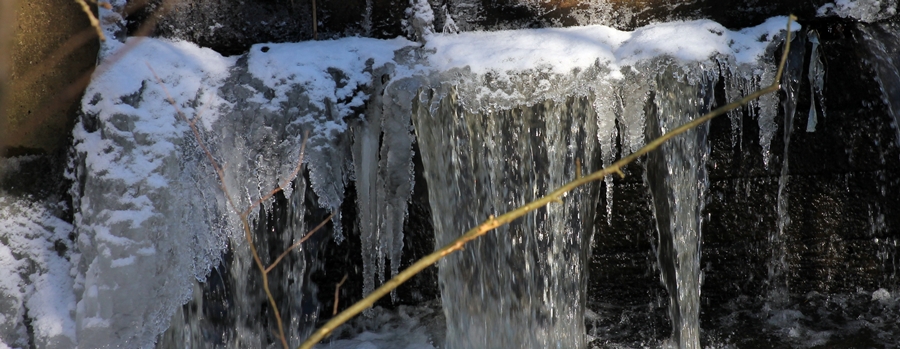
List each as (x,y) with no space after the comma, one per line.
(531,272)
(677,180)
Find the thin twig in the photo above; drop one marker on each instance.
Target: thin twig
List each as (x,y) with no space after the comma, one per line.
(305,237)
(315,22)
(337,289)
(493,222)
(93,19)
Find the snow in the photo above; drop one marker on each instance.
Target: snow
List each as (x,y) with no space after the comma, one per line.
(562,50)
(34,272)
(283,67)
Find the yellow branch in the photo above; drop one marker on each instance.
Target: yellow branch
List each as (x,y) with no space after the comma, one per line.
(93,19)
(492,223)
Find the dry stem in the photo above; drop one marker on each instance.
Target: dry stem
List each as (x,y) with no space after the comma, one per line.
(93,19)
(493,222)
(337,290)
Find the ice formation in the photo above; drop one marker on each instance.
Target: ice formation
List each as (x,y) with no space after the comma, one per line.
(816,82)
(863,10)
(520,109)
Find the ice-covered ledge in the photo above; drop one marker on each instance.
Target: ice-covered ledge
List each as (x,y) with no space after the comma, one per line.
(150,217)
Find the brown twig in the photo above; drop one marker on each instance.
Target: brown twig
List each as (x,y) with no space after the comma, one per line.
(305,237)
(337,290)
(315,22)
(7,32)
(494,222)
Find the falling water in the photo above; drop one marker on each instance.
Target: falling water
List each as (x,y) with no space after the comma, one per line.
(779,290)
(522,285)
(676,176)
(490,142)
(883,43)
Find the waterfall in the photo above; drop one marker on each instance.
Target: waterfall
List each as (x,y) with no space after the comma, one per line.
(883,42)
(676,177)
(521,286)
(779,292)
(493,140)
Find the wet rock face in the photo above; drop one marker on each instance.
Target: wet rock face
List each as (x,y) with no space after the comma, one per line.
(842,200)
(231,26)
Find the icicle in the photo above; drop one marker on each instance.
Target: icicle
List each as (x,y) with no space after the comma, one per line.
(395,173)
(768,106)
(605,106)
(738,83)
(632,97)
(384,178)
(365,165)
(816,82)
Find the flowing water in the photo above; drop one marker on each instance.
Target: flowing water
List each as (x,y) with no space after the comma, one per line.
(676,178)
(532,271)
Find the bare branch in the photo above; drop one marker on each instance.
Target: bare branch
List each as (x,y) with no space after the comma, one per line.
(93,19)
(305,237)
(337,290)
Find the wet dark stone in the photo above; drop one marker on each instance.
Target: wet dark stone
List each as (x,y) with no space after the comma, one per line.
(232,26)
(843,200)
